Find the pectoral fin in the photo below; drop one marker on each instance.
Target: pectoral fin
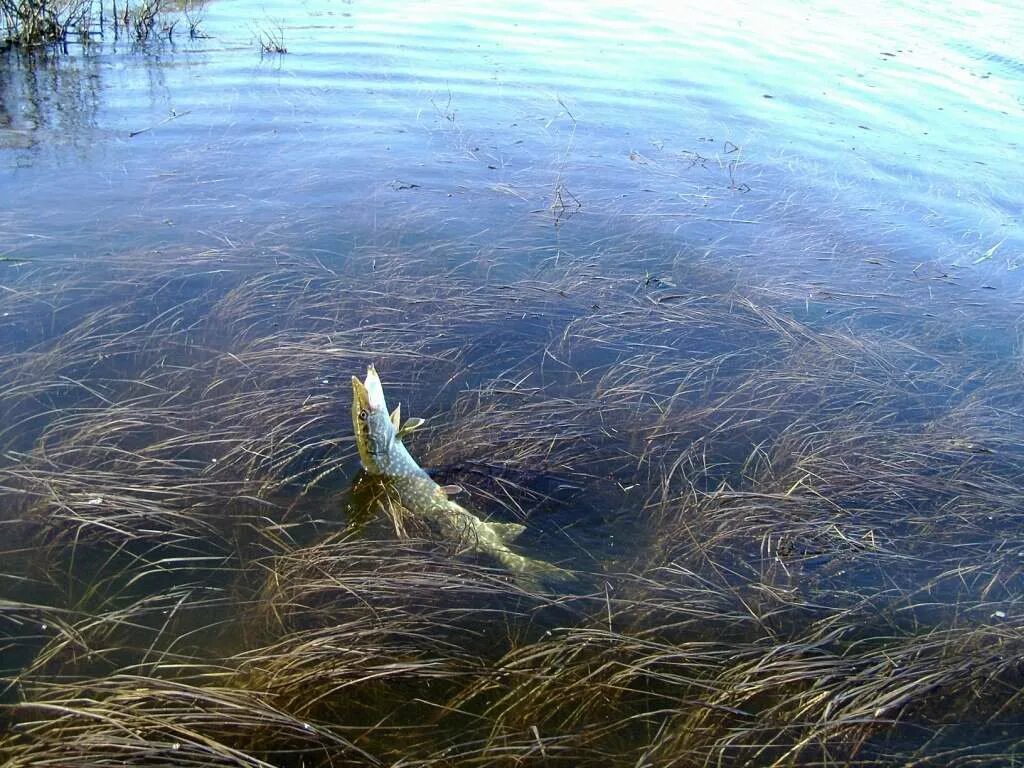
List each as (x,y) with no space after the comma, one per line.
(396,416)
(409,426)
(452,490)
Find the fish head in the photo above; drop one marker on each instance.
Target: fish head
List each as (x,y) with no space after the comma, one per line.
(373,426)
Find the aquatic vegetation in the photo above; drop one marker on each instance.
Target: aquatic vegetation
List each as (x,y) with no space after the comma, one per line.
(38,22)
(141,720)
(750,370)
(30,22)
(271,40)
(794,534)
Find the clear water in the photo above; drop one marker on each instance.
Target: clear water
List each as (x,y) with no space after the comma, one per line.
(893,129)
(854,169)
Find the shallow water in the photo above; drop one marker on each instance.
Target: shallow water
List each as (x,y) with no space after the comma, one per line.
(893,130)
(727,291)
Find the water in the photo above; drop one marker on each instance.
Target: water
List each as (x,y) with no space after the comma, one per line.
(894,128)
(723,302)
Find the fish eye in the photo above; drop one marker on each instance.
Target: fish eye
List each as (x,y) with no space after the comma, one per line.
(363,415)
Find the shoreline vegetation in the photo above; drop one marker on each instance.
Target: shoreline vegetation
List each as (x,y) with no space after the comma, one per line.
(798,540)
(36,23)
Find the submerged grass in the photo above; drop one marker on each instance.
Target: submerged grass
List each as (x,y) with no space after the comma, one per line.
(797,540)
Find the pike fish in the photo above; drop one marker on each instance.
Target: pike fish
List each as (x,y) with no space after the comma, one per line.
(383,454)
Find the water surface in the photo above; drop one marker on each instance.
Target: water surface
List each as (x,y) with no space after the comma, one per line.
(722,301)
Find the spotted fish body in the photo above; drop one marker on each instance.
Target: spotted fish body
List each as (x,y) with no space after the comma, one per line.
(383,453)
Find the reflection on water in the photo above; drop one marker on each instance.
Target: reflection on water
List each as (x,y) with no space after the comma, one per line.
(48,99)
(722,304)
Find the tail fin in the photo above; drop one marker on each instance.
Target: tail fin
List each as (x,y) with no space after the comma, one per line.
(535,575)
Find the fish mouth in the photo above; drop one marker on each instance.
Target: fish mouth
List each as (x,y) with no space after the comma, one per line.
(360,395)
(368,394)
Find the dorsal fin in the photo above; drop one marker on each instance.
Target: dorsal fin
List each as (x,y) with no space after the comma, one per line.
(396,416)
